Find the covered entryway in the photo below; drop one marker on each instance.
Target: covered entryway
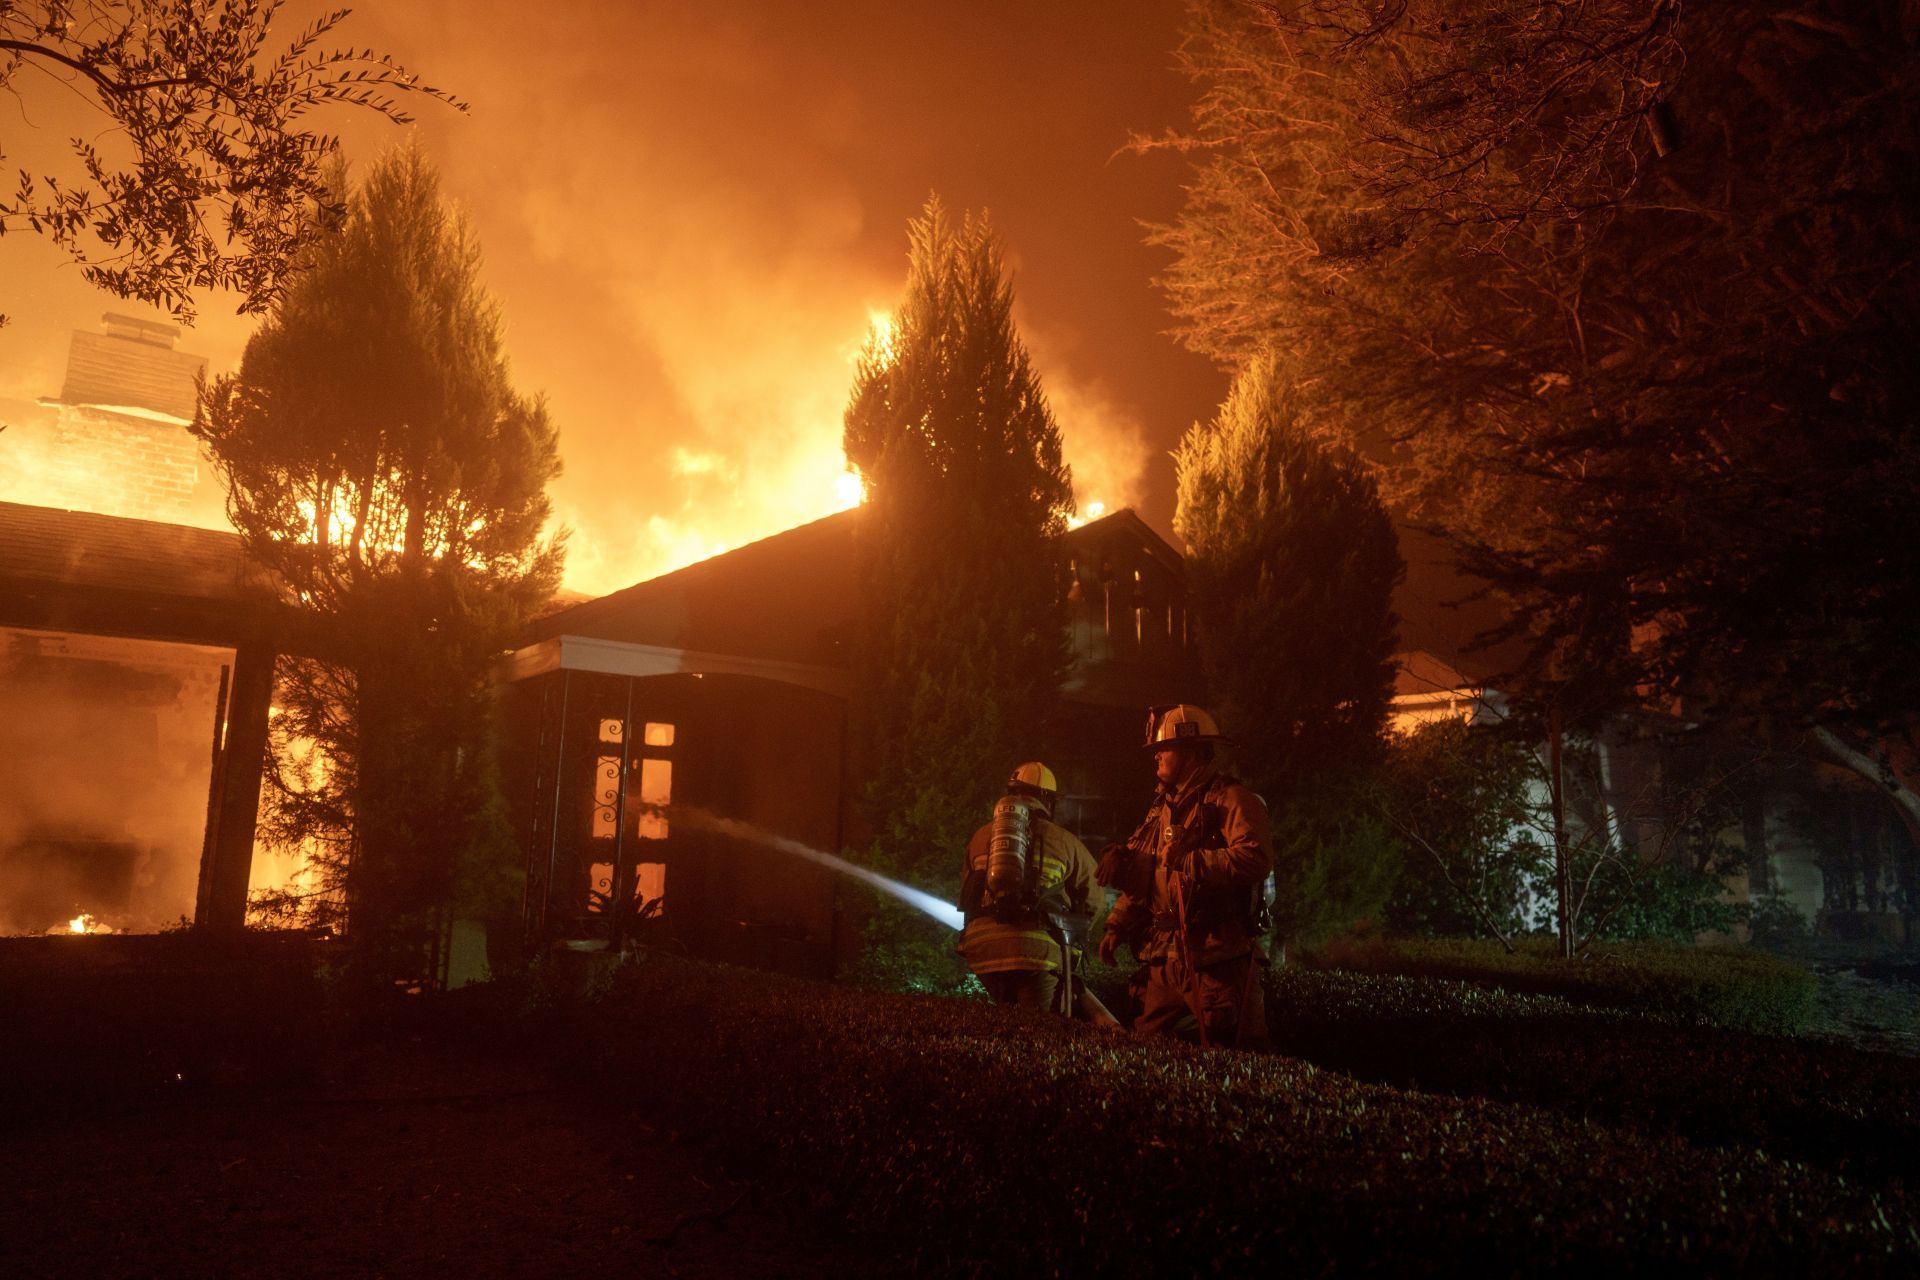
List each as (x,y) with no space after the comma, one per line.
(618,751)
(136,665)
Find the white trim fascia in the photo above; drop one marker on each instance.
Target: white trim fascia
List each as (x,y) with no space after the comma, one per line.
(120,410)
(620,658)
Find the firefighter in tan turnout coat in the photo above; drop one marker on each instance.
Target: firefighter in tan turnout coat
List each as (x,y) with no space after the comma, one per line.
(1190,881)
(1020,919)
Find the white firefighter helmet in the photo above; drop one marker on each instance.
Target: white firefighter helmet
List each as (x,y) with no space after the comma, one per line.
(1176,724)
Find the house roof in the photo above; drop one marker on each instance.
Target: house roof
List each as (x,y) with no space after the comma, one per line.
(85,550)
(791,597)
(1419,674)
(788,597)
(77,570)
(1126,522)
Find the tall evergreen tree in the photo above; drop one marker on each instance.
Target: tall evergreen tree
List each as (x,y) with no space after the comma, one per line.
(964,645)
(1291,564)
(380,463)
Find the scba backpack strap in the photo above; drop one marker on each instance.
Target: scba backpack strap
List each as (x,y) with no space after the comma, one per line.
(973,890)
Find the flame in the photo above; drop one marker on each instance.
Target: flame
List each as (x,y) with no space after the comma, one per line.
(849,490)
(85,923)
(1088,513)
(881,333)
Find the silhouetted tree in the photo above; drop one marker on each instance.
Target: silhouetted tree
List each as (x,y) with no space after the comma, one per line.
(380,463)
(213,181)
(1624,292)
(963,646)
(1291,567)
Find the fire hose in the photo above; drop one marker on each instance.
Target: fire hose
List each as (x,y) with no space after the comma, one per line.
(1062,929)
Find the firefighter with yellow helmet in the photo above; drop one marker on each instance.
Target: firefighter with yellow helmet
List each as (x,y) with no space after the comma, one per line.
(1191,881)
(1026,892)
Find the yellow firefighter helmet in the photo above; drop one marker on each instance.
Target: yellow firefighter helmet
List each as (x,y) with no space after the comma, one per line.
(1036,780)
(1178,723)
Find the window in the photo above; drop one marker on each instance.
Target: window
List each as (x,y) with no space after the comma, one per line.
(656,792)
(651,882)
(606,797)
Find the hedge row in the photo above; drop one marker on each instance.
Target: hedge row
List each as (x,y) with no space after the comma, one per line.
(1728,986)
(974,1140)
(1847,1110)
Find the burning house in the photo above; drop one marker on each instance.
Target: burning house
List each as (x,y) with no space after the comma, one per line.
(721,690)
(136,656)
(137,649)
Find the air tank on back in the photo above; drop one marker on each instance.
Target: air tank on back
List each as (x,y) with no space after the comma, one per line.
(1008,842)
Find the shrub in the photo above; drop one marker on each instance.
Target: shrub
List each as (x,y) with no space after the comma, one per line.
(1729,986)
(954,1132)
(1775,921)
(900,948)
(1461,799)
(1671,902)
(1334,862)
(1709,1086)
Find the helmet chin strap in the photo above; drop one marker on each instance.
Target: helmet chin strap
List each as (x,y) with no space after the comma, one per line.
(1189,764)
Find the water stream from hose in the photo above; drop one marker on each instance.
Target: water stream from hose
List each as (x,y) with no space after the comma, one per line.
(700,820)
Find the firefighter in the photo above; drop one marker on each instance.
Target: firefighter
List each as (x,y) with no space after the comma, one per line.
(1025,893)
(1191,883)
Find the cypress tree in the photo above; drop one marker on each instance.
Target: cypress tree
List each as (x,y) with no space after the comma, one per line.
(1292,562)
(381,465)
(963,642)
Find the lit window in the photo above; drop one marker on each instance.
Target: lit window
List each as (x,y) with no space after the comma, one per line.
(659,735)
(656,792)
(606,796)
(599,884)
(612,730)
(652,881)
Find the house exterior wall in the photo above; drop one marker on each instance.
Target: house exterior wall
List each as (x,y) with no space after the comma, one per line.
(748,750)
(763,733)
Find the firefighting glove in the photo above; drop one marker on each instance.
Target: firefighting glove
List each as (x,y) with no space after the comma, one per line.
(1109,946)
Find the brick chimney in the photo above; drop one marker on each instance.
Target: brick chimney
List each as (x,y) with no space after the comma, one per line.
(120,446)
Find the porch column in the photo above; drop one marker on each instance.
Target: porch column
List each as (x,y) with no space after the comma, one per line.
(235,807)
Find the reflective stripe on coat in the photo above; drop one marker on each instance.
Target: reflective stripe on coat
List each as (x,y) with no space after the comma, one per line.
(1066,870)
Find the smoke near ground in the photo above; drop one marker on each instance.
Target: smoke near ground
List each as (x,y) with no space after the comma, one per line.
(105,757)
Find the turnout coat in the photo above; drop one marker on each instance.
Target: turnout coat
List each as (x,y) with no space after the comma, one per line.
(1218,830)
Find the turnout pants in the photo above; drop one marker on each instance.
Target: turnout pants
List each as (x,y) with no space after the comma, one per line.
(1029,988)
(1230,999)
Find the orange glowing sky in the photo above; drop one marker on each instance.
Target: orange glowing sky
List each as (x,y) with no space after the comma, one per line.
(691,215)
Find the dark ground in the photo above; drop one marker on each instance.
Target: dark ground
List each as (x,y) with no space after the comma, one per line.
(402,1158)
